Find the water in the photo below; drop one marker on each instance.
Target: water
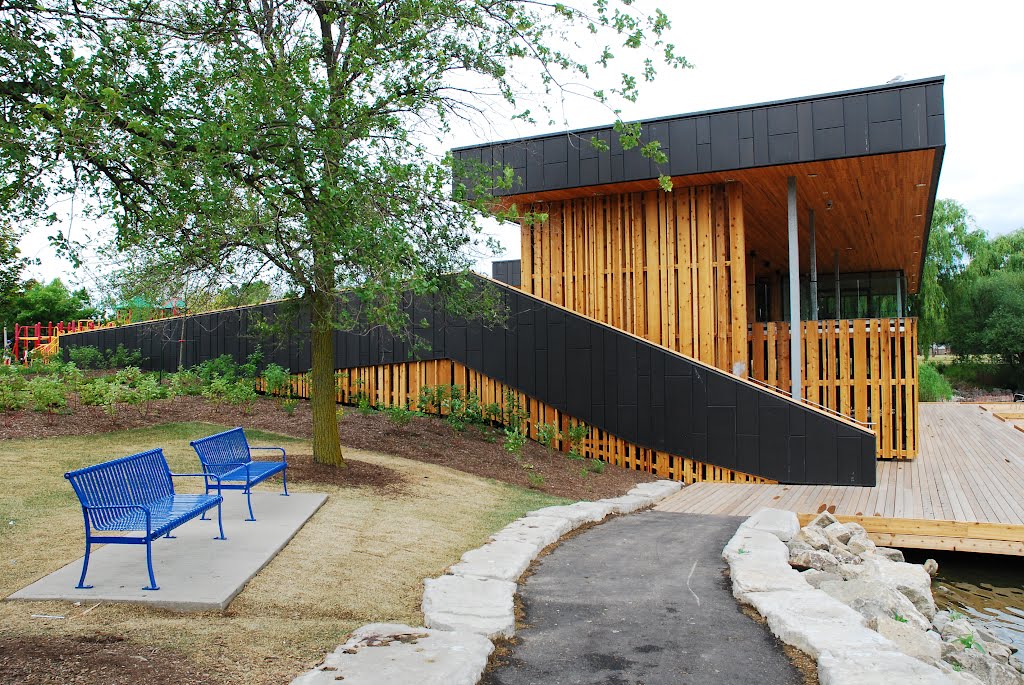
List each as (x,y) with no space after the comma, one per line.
(986,588)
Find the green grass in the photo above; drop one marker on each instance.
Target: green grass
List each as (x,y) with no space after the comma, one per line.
(932,385)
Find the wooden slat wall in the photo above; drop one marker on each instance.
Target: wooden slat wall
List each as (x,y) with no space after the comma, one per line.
(399,385)
(864,368)
(668,267)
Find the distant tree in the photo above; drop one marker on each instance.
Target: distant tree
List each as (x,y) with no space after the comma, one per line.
(303,133)
(44,302)
(953,241)
(986,317)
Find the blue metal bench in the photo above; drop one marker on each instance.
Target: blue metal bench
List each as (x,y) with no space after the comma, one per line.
(228,457)
(136,493)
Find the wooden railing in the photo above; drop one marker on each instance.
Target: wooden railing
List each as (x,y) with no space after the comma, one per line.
(862,368)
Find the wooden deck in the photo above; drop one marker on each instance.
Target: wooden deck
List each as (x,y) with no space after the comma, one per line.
(964,492)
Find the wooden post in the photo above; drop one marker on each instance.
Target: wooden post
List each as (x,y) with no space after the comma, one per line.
(794,292)
(738,278)
(814,270)
(839,308)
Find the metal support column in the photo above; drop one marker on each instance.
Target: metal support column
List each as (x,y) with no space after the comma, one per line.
(814,270)
(795,366)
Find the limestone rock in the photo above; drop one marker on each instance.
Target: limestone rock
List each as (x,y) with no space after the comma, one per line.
(579,513)
(476,605)
(627,504)
(838,532)
(955,677)
(502,560)
(874,600)
(931,567)
(822,520)
(955,629)
(855,528)
(818,560)
(976,662)
(860,544)
(813,536)
(940,619)
(658,490)
(851,571)
(889,553)
(382,653)
(815,578)
(539,530)
(755,575)
(909,638)
(815,623)
(779,522)
(796,546)
(872,667)
(843,555)
(756,544)
(910,579)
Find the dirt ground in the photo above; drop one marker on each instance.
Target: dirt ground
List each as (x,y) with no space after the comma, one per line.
(428,439)
(388,523)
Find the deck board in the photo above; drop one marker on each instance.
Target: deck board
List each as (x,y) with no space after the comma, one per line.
(970,470)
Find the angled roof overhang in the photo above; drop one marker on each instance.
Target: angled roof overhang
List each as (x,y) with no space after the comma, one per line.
(866,160)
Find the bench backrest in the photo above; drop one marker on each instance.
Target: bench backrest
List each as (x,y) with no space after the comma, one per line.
(141,478)
(216,451)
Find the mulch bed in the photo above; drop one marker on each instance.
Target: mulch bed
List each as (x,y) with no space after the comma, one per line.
(476,450)
(93,659)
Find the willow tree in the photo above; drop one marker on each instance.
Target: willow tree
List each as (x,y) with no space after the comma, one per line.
(304,134)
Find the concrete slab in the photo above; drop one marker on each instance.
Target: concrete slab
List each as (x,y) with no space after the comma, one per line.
(194,571)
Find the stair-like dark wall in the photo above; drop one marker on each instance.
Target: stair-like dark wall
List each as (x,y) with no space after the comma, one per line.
(638,391)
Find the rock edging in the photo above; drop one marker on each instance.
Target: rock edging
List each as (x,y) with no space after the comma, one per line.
(473,603)
(864,614)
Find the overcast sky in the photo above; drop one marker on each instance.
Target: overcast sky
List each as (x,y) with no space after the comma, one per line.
(749,52)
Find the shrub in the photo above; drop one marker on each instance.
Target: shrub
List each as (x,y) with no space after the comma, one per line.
(576,434)
(185,383)
(223,366)
(289,405)
(514,441)
(86,357)
(149,389)
(241,394)
(932,385)
(47,393)
(130,376)
(216,389)
(398,415)
(71,376)
(250,369)
(93,394)
(12,392)
(364,405)
(547,433)
(595,466)
(122,357)
(277,379)
(535,479)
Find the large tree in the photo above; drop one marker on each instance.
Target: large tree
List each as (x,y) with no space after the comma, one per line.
(301,133)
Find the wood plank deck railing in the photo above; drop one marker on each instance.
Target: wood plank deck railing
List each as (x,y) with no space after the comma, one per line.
(862,368)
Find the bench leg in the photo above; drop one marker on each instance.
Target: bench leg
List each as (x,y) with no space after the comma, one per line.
(202,517)
(85,566)
(248,500)
(284,478)
(220,524)
(172,537)
(149,566)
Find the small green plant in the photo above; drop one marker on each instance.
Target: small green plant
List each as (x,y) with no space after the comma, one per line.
(896,616)
(216,390)
(339,413)
(47,394)
(514,415)
(364,406)
(957,667)
(398,415)
(289,405)
(71,376)
(223,366)
(595,466)
(743,551)
(970,642)
(492,412)
(547,433)
(93,394)
(514,441)
(955,615)
(86,357)
(536,480)
(576,434)
(250,369)
(148,389)
(473,411)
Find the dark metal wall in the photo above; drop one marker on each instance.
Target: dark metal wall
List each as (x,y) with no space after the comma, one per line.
(889,118)
(643,393)
(508,271)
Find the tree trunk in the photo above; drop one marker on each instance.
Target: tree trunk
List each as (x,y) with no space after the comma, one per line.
(326,443)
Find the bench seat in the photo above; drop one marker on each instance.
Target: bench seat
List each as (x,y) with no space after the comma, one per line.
(136,494)
(228,457)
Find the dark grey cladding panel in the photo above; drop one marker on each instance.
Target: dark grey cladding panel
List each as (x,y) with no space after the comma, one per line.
(889,118)
(642,393)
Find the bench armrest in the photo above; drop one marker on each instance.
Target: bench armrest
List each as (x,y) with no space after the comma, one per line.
(284,457)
